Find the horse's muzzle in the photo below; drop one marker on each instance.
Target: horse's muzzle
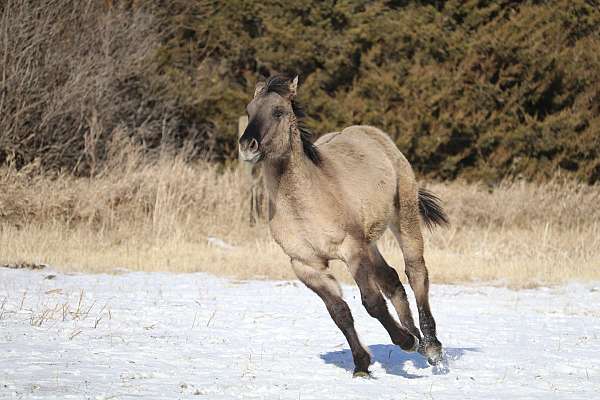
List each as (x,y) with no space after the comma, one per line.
(249,150)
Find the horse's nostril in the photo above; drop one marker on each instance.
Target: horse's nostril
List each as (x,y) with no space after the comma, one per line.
(253,146)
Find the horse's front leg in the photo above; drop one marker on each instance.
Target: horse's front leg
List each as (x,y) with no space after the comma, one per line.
(328,289)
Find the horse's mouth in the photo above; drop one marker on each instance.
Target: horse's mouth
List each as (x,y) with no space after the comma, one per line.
(252,158)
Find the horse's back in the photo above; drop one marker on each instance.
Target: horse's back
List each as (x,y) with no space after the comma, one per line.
(367,147)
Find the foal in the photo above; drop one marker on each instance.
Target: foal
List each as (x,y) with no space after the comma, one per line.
(332,200)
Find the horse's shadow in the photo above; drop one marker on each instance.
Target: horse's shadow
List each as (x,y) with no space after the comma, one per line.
(394,360)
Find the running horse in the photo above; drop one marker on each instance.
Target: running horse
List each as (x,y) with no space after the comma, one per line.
(332,199)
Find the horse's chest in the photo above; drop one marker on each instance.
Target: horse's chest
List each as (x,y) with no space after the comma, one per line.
(305,234)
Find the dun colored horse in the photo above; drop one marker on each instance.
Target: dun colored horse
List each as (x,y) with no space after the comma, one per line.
(332,200)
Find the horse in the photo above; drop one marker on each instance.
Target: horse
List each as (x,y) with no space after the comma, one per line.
(332,199)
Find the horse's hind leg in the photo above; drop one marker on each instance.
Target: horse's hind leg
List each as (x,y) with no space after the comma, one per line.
(363,271)
(329,291)
(408,233)
(389,282)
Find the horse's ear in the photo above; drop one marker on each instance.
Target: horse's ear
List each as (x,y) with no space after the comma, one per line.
(294,87)
(260,85)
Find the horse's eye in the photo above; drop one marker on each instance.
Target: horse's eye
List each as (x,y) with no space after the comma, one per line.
(278,113)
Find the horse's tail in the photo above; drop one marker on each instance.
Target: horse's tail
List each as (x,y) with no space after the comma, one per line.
(431,209)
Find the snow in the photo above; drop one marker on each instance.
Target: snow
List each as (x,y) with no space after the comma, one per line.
(172,336)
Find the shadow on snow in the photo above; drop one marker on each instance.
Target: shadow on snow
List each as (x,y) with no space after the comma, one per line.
(393,359)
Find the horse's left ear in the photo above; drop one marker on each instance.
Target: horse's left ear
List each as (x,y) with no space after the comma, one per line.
(293,87)
(260,85)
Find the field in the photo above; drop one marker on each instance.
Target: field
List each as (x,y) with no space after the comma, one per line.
(176,336)
(172,215)
(133,259)
(122,305)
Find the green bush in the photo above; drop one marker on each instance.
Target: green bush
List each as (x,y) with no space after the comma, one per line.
(477,89)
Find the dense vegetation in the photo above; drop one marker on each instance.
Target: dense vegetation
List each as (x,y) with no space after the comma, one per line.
(473,89)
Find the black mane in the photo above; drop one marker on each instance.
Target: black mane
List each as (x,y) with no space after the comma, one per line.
(280,84)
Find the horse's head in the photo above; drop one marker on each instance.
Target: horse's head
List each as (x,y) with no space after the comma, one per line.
(271,120)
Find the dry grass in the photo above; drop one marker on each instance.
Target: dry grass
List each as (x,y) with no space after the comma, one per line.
(159,216)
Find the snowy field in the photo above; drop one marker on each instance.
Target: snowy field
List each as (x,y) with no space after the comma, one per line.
(168,336)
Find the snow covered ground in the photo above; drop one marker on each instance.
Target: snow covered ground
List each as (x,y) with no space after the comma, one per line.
(168,336)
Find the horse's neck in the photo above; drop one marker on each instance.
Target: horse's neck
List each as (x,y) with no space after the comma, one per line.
(289,178)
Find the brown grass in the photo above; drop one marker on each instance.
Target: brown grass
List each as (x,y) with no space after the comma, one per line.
(159,216)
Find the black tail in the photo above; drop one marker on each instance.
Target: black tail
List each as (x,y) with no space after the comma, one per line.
(431,209)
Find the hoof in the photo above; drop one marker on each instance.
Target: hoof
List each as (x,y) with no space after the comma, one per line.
(361,374)
(435,359)
(416,346)
(432,351)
